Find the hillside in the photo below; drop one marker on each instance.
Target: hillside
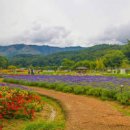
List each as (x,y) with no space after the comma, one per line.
(90,53)
(19,49)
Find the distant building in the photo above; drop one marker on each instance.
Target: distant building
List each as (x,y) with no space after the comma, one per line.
(81,70)
(124,70)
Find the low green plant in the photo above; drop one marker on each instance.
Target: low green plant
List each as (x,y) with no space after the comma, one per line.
(59,87)
(44,126)
(68,89)
(108,94)
(123,98)
(79,90)
(95,91)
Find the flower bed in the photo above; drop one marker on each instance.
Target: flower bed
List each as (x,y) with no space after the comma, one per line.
(18,103)
(94,81)
(101,87)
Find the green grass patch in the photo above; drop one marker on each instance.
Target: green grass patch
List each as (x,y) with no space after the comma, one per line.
(44,126)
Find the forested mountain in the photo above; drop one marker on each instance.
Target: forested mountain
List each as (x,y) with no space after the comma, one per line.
(95,57)
(90,53)
(18,49)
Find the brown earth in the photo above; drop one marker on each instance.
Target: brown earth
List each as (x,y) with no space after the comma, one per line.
(87,113)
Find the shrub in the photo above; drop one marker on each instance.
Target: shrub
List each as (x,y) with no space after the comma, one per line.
(79,90)
(96,91)
(52,85)
(59,87)
(68,89)
(31,83)
(108,94)
(43,84)
(89,90)
(123,98)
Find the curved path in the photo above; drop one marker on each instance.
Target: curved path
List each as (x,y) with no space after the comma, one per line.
(87,113)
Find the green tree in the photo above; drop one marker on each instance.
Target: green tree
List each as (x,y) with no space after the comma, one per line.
(67,64)
(114,59)
(12,68)
(84,63)
(3,62)
(125,63)
(127,50)
(99,64)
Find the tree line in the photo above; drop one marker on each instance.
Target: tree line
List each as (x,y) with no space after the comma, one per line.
(98,57)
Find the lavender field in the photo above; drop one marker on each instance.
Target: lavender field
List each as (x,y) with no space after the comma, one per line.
(94,81)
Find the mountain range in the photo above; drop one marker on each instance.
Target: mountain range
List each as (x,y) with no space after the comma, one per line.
(19,49)
(55,57)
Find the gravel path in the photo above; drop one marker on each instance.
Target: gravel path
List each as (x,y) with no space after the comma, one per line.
(87,113)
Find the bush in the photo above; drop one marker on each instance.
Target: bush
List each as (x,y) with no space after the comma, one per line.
(96,91)
(31,83)
(79,90)
(52,85)
(59,87)
(42,84)
(89,90)
(68,89)
(123,98)
(108,94)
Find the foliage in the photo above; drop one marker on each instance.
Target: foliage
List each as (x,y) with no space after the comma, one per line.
(44,126)
(67,64)
(113,59)
(99,64)
(17,103)
(66,59)
(127,50)
(3,62)
(124,98)
(79,90)
(93,91)
(68,89)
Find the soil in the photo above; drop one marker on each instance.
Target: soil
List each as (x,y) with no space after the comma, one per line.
(88,113)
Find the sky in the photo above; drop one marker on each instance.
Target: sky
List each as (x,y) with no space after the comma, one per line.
(64,22)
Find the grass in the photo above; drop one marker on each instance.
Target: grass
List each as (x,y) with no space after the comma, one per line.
(124,109)
(118,75)
(43,126)
(41,121)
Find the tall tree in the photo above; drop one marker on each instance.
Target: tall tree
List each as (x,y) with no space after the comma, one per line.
(99,64)
(127,50)
(3,62)
(114,59)
(67,64)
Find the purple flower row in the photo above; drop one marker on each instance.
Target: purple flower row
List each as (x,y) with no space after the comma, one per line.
(96,81)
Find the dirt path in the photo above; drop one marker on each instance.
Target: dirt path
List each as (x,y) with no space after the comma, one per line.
(87,113)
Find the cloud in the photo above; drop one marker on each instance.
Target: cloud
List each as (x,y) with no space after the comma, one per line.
(86,19)
(116,34)
(43,35)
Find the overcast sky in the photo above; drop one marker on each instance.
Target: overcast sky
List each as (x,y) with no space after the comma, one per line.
(64,22)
